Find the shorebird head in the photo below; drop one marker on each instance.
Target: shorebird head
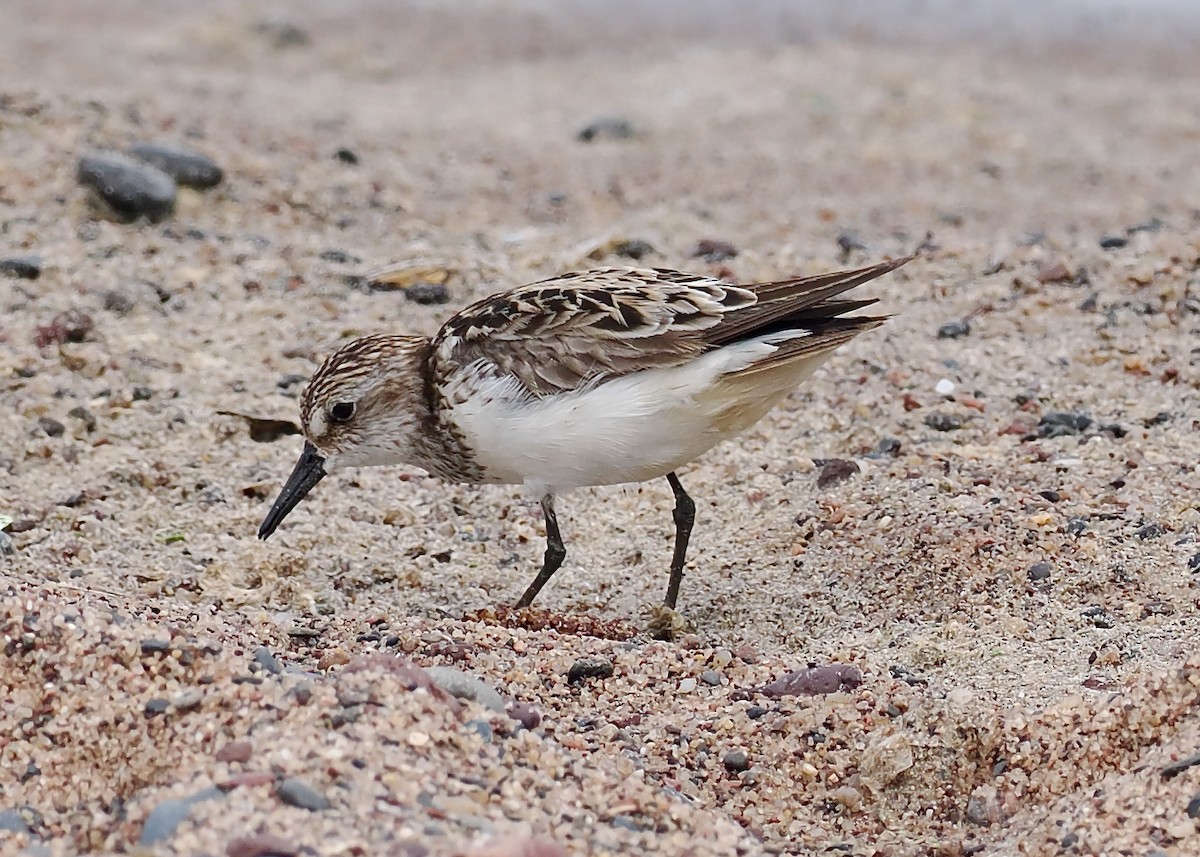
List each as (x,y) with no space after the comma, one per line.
(363,407)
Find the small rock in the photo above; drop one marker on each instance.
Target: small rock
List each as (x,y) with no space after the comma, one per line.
(525,714)
(266,660)
(463,685)
(606,128)
(22,267)
(1149,532)
(906,675)
(130,188)
(1063,423)
(7,546)
(339,257)
(624,822)
(481,728)
(12,821)
(1113,242)
(1039,571)
(70,326)
(711,677)
(1193,563)
(1193,807)
(848,241)
(156,706)
(186,167)
(836,470)
(261,845)
(235,751)
(813,681)
(84,416)
(168,815)
(295,792)
(1077,526)
(954,329)
(346,156)
(1054,272)
(155,647)
(754,712)
(736,761)
(983,807)
(1051,496)
(52,428)
(589,668)
(1098,616)
(888,446)
(281,33)
(944,387)
(633,248)
(687,685)
(427,294)
(713,250)
(939,421)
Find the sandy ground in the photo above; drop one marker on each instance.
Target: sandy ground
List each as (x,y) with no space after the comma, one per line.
(1023,609)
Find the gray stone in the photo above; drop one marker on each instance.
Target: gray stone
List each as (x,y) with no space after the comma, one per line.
(167,816)
(185,166)
(130,188)
(266,660)
(463,685)
(12,821)
(295,792)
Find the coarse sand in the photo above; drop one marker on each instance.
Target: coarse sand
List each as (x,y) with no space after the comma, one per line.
(986,511)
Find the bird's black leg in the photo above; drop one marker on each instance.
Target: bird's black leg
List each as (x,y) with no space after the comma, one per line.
(685,517)
(555,553)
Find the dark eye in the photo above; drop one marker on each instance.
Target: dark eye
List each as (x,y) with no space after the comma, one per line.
(341,412)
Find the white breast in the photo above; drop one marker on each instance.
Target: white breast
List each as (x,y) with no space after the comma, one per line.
(631,429)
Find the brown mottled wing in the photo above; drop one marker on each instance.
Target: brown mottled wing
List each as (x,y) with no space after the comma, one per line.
(596,325)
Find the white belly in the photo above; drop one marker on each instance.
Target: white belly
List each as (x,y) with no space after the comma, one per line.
(630,429)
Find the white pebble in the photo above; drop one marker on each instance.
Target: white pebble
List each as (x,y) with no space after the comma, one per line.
(687,685)
(944,387)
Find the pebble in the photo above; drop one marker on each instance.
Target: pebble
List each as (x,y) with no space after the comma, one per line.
(1063,423)
(814,680)
(939,421)
(131,188)
(22,267)
(687,685)
(1193,563)
(261,845)
(736,761)
(1077,526)
(711,677)
(1098,616)
(52,427)
(295,792)
(186,167)
(633,248)
(944,387)
(235,751)
(1193,807)
(481,728)
(463,685)
(848,241)
(427,294)
(1113,242)
(713,250)
(266,660)
(1149,532)
(836,470)
(1039,571)
(606,128)
(12,821)
(589,668)
(754,712)
(954,329)
(525,714)
(346,156)
(167,816)
(156,706)
(84,416)
(7,547)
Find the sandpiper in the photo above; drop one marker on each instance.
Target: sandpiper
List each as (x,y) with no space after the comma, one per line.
(600,377)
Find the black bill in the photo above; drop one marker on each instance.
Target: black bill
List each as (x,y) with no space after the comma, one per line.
(309,470)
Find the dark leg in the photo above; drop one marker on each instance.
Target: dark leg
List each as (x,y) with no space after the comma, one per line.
(685,517)
(555,553)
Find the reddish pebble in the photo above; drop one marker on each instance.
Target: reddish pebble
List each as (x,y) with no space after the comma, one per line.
(518,846)
(814,680)
(235,751)
(911,403)
(248,779)
(261,845)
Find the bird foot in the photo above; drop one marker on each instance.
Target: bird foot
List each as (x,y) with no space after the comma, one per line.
(666,623)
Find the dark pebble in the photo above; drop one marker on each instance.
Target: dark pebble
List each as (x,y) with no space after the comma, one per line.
(813,681)
(1039,571)
(525,714)
(287,382)
(1077,526)
(52,428)
(266,660)
(888,446)
(156,706)
(754,712)
(736,761)
(346,156)
(1069,841)
(1157,420)
(339,257)
(1113,242)
(1089,303)
(713,250)
(70,326)
(633,248)
(848,241)
(1193,807)
(141,394)
(282,34)
(1193,564)
(1052,496)
(132,189)
(1063,423)
(624,822)
(295,792)
(188,168)
(711,677)
(1098,616)
(836,470)
(1149,531)
(954,329)
(1115,429)
(427,294)
(904,674)
(84,416)
(261,845)
(589,668)
(1177,767)
(22,267)
(167,816)
(155,647)
(607,128)
(939,421)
